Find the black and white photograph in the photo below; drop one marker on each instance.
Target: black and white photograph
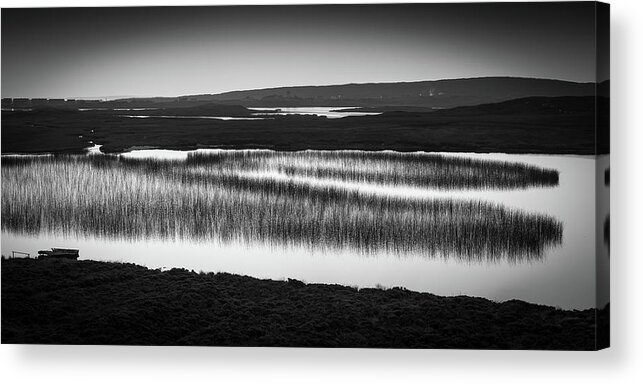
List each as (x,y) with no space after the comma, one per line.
(390,176)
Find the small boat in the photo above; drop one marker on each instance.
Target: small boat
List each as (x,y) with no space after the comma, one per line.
(59,253)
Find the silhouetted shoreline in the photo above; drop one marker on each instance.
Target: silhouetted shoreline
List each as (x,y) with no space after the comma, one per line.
(556,125)
(90,302)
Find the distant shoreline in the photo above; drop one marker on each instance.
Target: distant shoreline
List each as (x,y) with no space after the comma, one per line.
(464,149)
(91,302)
(554,125)
(224,148)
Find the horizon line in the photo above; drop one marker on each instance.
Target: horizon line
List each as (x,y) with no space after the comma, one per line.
(124,97)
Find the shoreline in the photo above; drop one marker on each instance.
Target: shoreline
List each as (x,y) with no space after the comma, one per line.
(88,150)
(516,126)
(91,302)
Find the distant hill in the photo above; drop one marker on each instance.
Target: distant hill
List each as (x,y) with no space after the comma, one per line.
(413,95)
(575,110)
(541,106)
(603,88)
(439,93)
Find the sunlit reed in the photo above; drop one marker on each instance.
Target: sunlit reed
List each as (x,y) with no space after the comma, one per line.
(210,199)
(388,168)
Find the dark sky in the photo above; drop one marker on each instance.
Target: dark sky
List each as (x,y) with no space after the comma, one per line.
(104,52)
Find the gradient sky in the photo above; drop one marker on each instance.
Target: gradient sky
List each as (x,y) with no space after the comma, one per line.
(108,52)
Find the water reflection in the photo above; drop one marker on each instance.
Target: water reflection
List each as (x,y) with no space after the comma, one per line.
(328,112)
(382,168)
(190,117)
(212,198)
(566,275)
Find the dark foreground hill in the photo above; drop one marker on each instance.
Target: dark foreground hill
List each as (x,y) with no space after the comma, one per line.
(88,302)
(555,125)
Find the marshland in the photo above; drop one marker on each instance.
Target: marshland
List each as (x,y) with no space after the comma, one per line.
(230,195)
(434,222)
(383,168)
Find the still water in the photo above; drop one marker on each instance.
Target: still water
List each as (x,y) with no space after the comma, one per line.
(328,112)
(560,273)
(190,117)
(265,113)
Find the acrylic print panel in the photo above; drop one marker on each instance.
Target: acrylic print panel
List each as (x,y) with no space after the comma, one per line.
(366,176)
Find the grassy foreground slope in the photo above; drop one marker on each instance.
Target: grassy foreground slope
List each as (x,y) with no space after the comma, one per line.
(89,302)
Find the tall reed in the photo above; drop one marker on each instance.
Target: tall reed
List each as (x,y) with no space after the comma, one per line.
(112,197)
(389,168)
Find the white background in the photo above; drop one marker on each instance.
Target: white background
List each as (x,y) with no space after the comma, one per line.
(620,364)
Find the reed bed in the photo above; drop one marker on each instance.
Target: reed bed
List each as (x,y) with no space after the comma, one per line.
(387,168)
(112,197)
